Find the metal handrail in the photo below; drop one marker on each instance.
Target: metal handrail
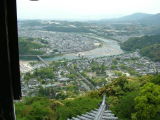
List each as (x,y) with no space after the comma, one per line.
(101,109)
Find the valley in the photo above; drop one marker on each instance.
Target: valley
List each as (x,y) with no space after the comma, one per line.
(88,59)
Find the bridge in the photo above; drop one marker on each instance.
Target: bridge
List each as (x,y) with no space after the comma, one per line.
(42,60)
(38,56)
(33,55)
(102,113)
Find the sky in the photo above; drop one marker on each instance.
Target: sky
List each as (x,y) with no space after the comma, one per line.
(83,9)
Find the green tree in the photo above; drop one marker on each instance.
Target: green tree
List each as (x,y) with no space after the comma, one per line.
(44,73)
(35,108)
(148,103)
(125,106)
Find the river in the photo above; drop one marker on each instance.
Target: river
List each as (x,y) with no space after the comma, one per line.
(110,47)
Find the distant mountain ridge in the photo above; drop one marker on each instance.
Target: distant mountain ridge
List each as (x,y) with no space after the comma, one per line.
(142,18)
(153,20)
(135,16)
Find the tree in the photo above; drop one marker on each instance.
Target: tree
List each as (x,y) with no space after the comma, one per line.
(125,106)
(35,108)
(147,104)
(44,73)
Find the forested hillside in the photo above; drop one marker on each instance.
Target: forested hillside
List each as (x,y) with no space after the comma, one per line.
(40,108)
(140,42)
(152,51)
(134,98)
(148,46)
(130,98)
(28,46)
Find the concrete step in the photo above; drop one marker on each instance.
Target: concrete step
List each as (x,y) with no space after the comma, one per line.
(109,118)
(88,116)
(83,118)
(94,112)
(74,118)
(108,114)
(91,114)
(107,111)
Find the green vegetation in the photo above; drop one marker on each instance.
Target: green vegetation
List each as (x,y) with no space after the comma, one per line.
(35,108)
(48,92)
(147,103)
(140,42)
(152,51)
(41,74)
(130,70)
(38,108)
(134,98)
(77,106)
(32,23)
(130,98)
(148,45)
(98,68)
(28,46)
(67,29)
(44,73)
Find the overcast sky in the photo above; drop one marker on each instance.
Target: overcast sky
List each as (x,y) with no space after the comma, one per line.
(83,9)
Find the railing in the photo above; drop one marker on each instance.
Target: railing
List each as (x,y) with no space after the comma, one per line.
(101,109)
(97,114)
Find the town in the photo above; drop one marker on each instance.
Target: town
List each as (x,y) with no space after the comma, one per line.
(80,57)
(79,75)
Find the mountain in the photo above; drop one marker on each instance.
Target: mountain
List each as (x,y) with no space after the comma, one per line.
(134,17)
(140,42)
(152,51)
(143,18)
(152,20)
(148,45)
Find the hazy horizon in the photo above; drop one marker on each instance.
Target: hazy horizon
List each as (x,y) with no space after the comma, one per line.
(84,10)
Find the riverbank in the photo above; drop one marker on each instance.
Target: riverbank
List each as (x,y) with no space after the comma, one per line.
(108,48)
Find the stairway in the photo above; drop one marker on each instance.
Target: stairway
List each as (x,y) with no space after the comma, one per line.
(97,114)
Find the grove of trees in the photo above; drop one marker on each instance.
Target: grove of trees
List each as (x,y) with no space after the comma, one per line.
(148,45)
(130,98)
